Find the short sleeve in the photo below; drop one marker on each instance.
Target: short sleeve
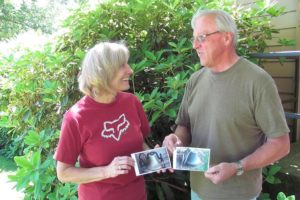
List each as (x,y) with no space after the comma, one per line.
(145,127)
(269,113)
(69,144)
(183,116)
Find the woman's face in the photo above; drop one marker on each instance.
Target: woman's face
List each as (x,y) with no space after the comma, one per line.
(120,82)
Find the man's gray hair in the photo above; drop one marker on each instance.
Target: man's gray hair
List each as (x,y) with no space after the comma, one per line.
(100,65)
(223,20)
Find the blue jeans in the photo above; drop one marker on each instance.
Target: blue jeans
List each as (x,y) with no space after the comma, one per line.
(194,196)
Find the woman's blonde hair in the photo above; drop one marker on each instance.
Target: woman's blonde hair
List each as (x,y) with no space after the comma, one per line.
(100,65)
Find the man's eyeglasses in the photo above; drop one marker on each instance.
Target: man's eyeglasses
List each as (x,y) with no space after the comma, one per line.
(202,38)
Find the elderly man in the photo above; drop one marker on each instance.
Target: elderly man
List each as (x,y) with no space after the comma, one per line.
(231,106)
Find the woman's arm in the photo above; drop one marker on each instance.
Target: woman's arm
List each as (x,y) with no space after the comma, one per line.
(79,175)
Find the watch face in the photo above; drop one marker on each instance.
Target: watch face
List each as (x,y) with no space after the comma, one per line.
(240,172)
(240,169)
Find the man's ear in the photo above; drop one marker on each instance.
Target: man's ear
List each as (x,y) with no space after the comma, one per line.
(228,38)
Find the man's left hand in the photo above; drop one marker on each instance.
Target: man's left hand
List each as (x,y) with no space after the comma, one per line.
(221,172)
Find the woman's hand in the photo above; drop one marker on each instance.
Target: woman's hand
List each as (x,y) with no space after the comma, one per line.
(119,165)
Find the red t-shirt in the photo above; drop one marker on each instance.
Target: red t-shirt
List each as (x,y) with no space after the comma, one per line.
(96,133)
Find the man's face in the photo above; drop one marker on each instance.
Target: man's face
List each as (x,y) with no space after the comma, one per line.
(212,44)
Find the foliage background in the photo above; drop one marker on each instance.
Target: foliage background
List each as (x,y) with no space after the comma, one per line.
(37,87)
(27,15)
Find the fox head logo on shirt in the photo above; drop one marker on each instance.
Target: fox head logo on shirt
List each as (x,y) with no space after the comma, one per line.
(115,128)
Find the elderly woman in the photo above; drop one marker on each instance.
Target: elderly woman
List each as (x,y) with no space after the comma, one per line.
(102,129)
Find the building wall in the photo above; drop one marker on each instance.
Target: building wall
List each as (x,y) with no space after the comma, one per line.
(288,25)
(284,71)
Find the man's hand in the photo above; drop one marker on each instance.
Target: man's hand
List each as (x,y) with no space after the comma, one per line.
(171,142)
(221,172)
(163,170)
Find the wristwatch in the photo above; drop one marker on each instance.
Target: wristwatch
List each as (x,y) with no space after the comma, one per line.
(239,168)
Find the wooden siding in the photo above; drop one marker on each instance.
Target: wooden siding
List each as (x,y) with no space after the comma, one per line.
(283,73)
(288,26)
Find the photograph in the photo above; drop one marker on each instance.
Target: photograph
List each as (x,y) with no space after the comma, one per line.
(191,159)
(150,161)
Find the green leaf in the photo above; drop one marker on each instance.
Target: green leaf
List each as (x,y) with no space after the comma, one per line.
(38,190)
(286,42)
(171,113)
(48,99)
(159,104)
(22,162)
(36,159)
(167,104)
(274,169)
(23,179)
(148,105)
(26,115)
(20,88)
(264,196)
(270,179)
(52,196)
(281,196)
(154,93)
(292,197)
(32,138)
(4,122)
(172,44)
(155,116)
(150,55)
(64,101)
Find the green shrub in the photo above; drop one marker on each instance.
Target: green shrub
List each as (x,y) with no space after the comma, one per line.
(282,196)
(4,138)
(39,86)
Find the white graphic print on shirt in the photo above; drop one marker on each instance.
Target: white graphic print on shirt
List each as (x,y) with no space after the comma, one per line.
(115,128)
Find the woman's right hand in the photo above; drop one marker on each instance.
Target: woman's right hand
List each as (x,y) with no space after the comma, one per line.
(119,165)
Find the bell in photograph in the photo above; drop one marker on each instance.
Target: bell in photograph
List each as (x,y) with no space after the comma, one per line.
(193,159)
(154,162)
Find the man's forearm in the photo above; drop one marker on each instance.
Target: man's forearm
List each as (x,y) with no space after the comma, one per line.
(273,150)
